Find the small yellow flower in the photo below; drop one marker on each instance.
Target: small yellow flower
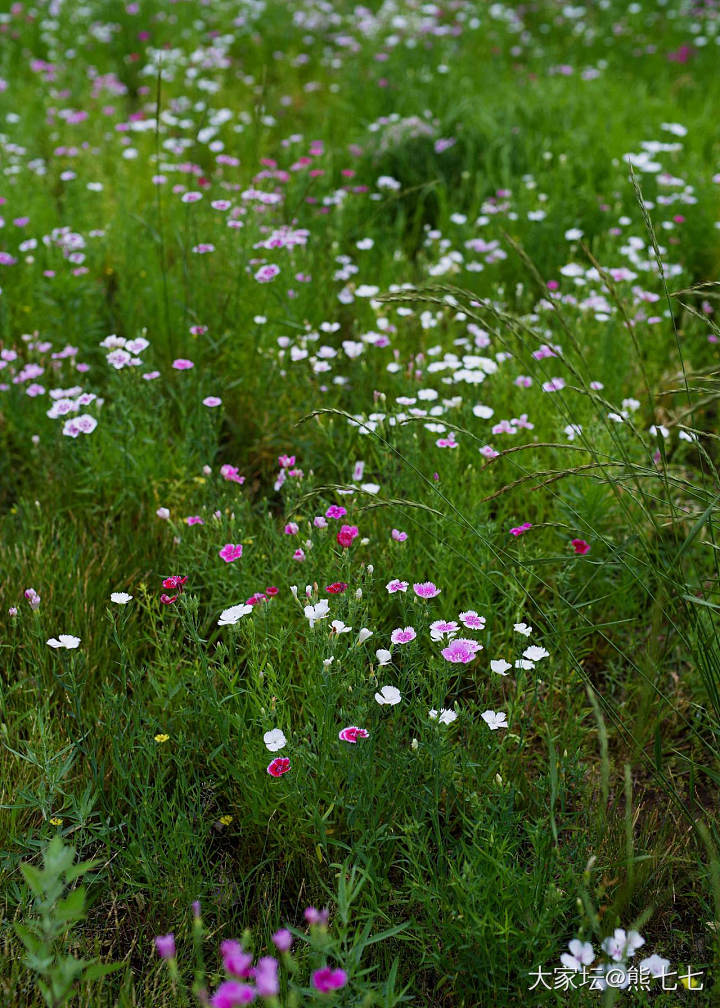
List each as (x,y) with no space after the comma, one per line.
(161,737)
(226,819)
(56,821)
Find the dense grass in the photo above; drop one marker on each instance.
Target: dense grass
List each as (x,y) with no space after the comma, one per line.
(447,194)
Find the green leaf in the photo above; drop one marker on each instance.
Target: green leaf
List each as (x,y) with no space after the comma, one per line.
(35,879)
(97,970)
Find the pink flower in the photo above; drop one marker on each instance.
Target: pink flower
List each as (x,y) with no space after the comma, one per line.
(326,979)
(335,511)
(398,536)
(267,273)
(352,734)
(173,582)
(461,651)
(396,586)
(313,916)
(229,472)
(299,555)
(165,945)
(279,766)
(236,961)
(211,401)
(403,635)
(291,528)
(519,529)
(282,940)
(230,552)
(580,546)
(286,461)
(194,520)
(181,364)
(266,978)
(426,590)
(231,993)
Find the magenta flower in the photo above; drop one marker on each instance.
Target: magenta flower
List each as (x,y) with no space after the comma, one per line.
(346,535)
(165,945)
(403,635)
(326,979)
(520,529)
(352,734)
(426,590)
(335,511)
(461,651)
(230,552)
(279,766)
(236,961)
(181,364)
(194,520)
(580,546)
(231,993)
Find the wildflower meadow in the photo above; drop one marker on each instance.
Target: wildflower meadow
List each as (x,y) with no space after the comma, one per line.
(359,528)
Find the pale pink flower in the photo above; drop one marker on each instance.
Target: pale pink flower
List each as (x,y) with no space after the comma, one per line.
(403,635)
(461,651)
(426,589)
(471,620)
(181,364)
(396,586)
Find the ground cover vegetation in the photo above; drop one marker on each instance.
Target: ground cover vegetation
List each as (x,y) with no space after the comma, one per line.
(359,576)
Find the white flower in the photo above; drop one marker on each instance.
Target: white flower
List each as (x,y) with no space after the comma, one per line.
(500,666)
(388,695)
(339,627)
(620,946)
(275,739)
(64,640)
(444,716)
(228,617)
(384,657)
(317,612)
(495,719)
(364,635)
(524,663)
(581,954)
(120,598)
(655,965)
(535,653)
(523,628)
(163,512)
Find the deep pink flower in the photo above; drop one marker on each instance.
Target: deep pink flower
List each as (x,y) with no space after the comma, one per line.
(346,535)
(335,511)
(176,581)
(353,733)
(230,552)
(336,588)
(168,600)
(426,589)
(194,520)
(326,979)
(580,546)
(279,766)
(519,529)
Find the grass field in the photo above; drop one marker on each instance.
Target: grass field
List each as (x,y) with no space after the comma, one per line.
(358,370)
